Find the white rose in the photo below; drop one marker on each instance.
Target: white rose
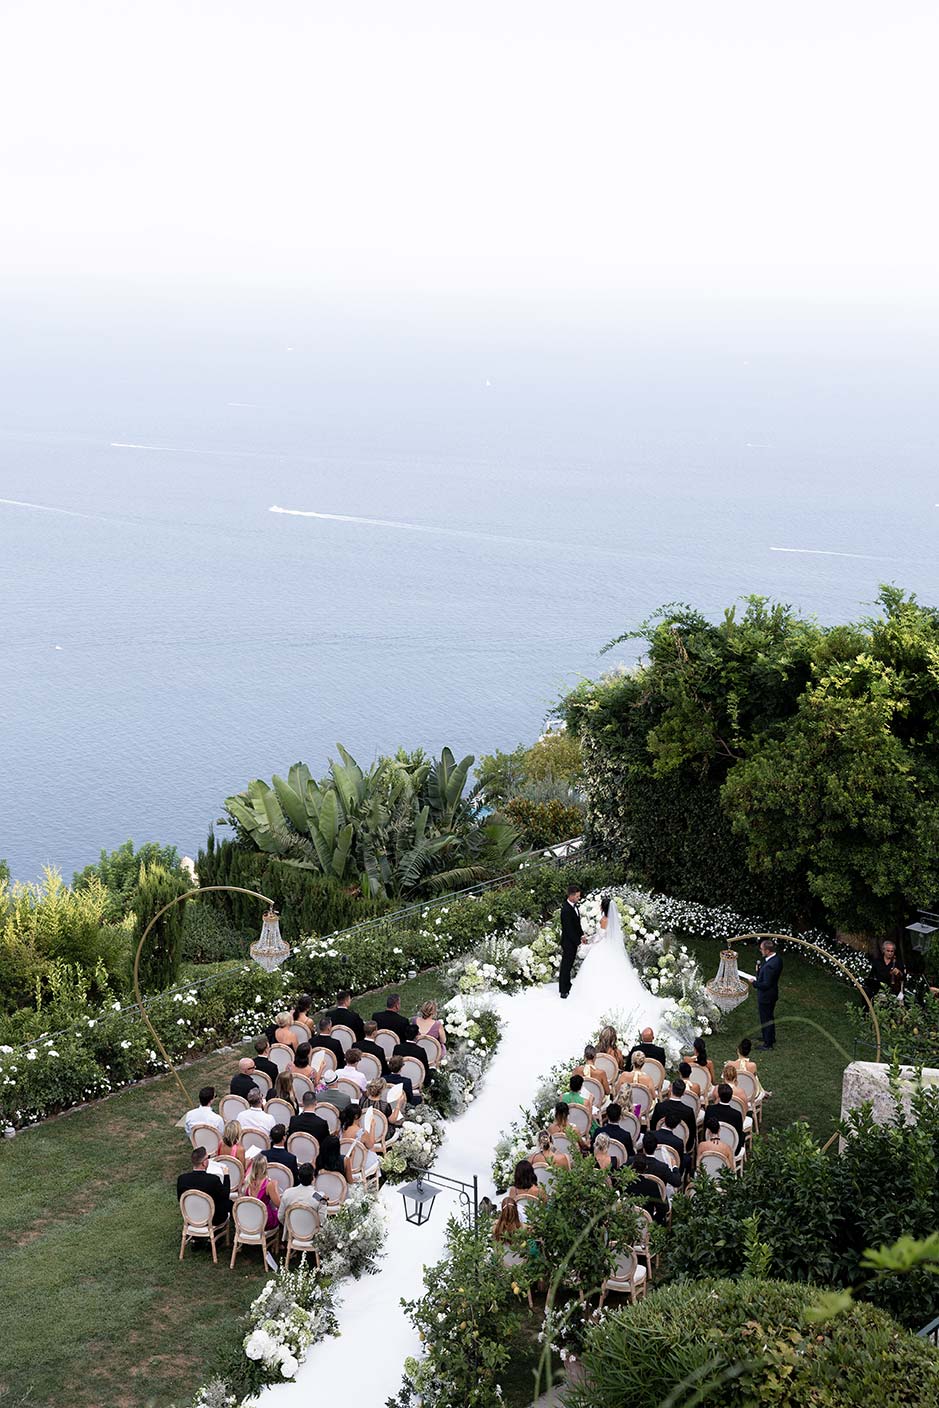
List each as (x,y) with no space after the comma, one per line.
(289,1365)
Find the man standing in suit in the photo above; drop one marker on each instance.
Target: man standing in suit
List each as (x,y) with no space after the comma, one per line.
(391,1020)
(218,1189)
(768,972)
(342,1015)
(572,936)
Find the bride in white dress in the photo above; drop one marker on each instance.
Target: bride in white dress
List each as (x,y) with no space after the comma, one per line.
(606,981)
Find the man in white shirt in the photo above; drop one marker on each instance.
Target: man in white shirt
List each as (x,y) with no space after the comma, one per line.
(255,1116)
(203,1113)
(302,1194)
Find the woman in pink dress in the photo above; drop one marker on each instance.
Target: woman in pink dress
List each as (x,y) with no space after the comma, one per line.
(258,1185)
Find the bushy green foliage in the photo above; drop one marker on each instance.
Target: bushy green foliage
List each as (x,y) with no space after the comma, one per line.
(162,952)
(750,1344)
(207,935)
(909,1030)
(804,756)
(543,823)
(579,1228)
(47,924)
(119,872)
(553,762)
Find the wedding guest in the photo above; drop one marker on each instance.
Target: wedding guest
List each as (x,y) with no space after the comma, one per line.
(589,1071)
(375,1098)
(547,1156)
(303,1194)
(608,1045)
(231,1142)
(647,1045)
(302,1063)
(325,1040)
(197,1176)
(729,1077)
(278,1153)
(643,1191)
(561,1125)
(255,1116)
(429,1024)
(684,1114)
(282,1033)
(525,1187)
(729,1113)
(241,1082)
(574,1095)
(283,1088)
(258,1185)
(309,1122)
(508,1224)
(370,1045)
(667,1133)
(601,1153)
(701,1058)
(409,1047)
(886,971)
(636,1076)
(352,1072)
(203,1112)
(612,1128)
(351,1127)
(391,1019)
(395,1077)
(744,1062)
(301,1013)
(712,1143)
(326,1092)
(262,1059)
(343,1015)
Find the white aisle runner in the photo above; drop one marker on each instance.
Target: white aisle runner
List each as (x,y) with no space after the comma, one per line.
(538,1031)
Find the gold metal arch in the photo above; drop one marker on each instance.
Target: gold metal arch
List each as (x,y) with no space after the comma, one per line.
(201,890)
(804,943)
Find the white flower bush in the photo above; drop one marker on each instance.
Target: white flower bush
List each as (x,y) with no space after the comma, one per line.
(293,1311)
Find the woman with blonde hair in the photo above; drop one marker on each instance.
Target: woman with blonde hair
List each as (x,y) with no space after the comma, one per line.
(230,1142)
(429,1024)
(547,1156)
(258,1185)
(282,1032)
(636,1077)
(601,1153)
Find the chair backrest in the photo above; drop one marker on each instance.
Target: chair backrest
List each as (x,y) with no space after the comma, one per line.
(618,1152)
(684,1132)
(668,1155)
(747,1083)
(642,1096)
(607,1065)
(712,1164)
(250,1218)
(729,1136)
(579,1118)
(370,1066)
(414,1070)
(561,1144)
(375,1122)
(304,1147)
(208,1136)
(659,1185)
(395,1095)
(594,1088)
(231,1106)
(302,1221)
(299,1032)
(322,1059)
(232,1167)
(282,1110)
(301,1085)
(431,1048)
(386,1040)
(333,1187)
(345,1036)
(626,1265)
(197,1208)
(254,1139)
(629,1122)
(329,1113)
(644,1230)
(349,1087)
(354,1151)
(700,1079)
(281,1175)
(281,1055)
(655,1069)
(743,1105)
(690,1098)
(263,1082)
(545,1174)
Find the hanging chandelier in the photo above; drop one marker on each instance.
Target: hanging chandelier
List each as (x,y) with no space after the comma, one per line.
(269,950)
(727,990)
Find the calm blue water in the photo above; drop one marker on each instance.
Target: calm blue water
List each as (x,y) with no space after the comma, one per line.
(165,637)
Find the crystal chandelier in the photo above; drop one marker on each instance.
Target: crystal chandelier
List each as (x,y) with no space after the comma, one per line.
(269,950)
(728,989)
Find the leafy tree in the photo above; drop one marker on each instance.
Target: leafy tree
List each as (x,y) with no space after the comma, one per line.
(580,1226)
(46,924)
(119,872)
(160,959)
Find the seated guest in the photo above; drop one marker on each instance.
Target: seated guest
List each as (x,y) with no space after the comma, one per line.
(673,1101)
(255,1116)
(326,1091)
(667,1133)
(646,1044)
(301,1013)
(352,1072)
(712,1143)
(729,1077)
(391,1019)
(302,1063)
(612,1128)
(409,1047)
(278,1153)
(744,1062)
(303,1194)
(203,1112)
(525,1187)
(561,1125)
(886,971)
(729,1113)
(608,1045)
(700,1058)
(351,1127)
(508,1224)
(646,1192)
(282,1033)
(342,1015)
(241,1083)
(309,1122)
(684,1072)
(636,1076)
(258,1185)
(589,1071)
(198,1177)
(325,1040)
(602,1153)
(374,1098)
(547,1156)
(262,1059)
(371,1046)
(395,1077)
(429,1024)
(231,1142)
(574,1095)
(283,1088)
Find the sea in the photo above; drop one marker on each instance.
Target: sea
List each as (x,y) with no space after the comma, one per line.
(237,530)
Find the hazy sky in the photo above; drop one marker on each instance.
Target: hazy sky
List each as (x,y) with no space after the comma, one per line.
(388,144)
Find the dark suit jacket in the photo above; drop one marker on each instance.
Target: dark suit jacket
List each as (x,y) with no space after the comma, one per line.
(730,1114)
(649,1048)
(408,1088)
(282,1156)
(268,1067)
(880,974)
(218,1189)
(345,1017)
(411,1048)
(616,1131)
(572,930)
(684,1112)
(241,1084)
(647,1192)
(375,1049)
(330,1155)
(768,972)
(333,1044)
(669,1137)
(393,1022)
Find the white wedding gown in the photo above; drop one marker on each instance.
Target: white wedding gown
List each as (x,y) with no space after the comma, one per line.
(606,984)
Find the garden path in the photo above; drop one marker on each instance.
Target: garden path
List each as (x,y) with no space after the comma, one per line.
(365,1361)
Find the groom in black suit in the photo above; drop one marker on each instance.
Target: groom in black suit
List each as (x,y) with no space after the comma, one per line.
(572,936)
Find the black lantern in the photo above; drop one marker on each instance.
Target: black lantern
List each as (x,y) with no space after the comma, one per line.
(923,929)
(418,1200)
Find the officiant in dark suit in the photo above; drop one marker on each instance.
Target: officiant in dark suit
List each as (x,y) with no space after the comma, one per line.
(768,973)
(572,936)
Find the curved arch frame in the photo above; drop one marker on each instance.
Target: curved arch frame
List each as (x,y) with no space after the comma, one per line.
(201,890)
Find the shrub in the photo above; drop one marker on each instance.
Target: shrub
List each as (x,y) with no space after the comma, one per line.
(161,955)
(581,1225)
(544,823)
(119,872)
(746,1343)
(207,935)
(45,923)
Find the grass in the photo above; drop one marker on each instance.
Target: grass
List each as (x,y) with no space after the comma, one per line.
(96,1308)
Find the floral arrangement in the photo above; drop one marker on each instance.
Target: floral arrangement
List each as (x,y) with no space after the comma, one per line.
(349,1241)
(294,1311)
(415,1146)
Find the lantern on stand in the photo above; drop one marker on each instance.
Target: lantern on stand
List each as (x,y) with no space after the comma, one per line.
(270,951)
(727,990)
